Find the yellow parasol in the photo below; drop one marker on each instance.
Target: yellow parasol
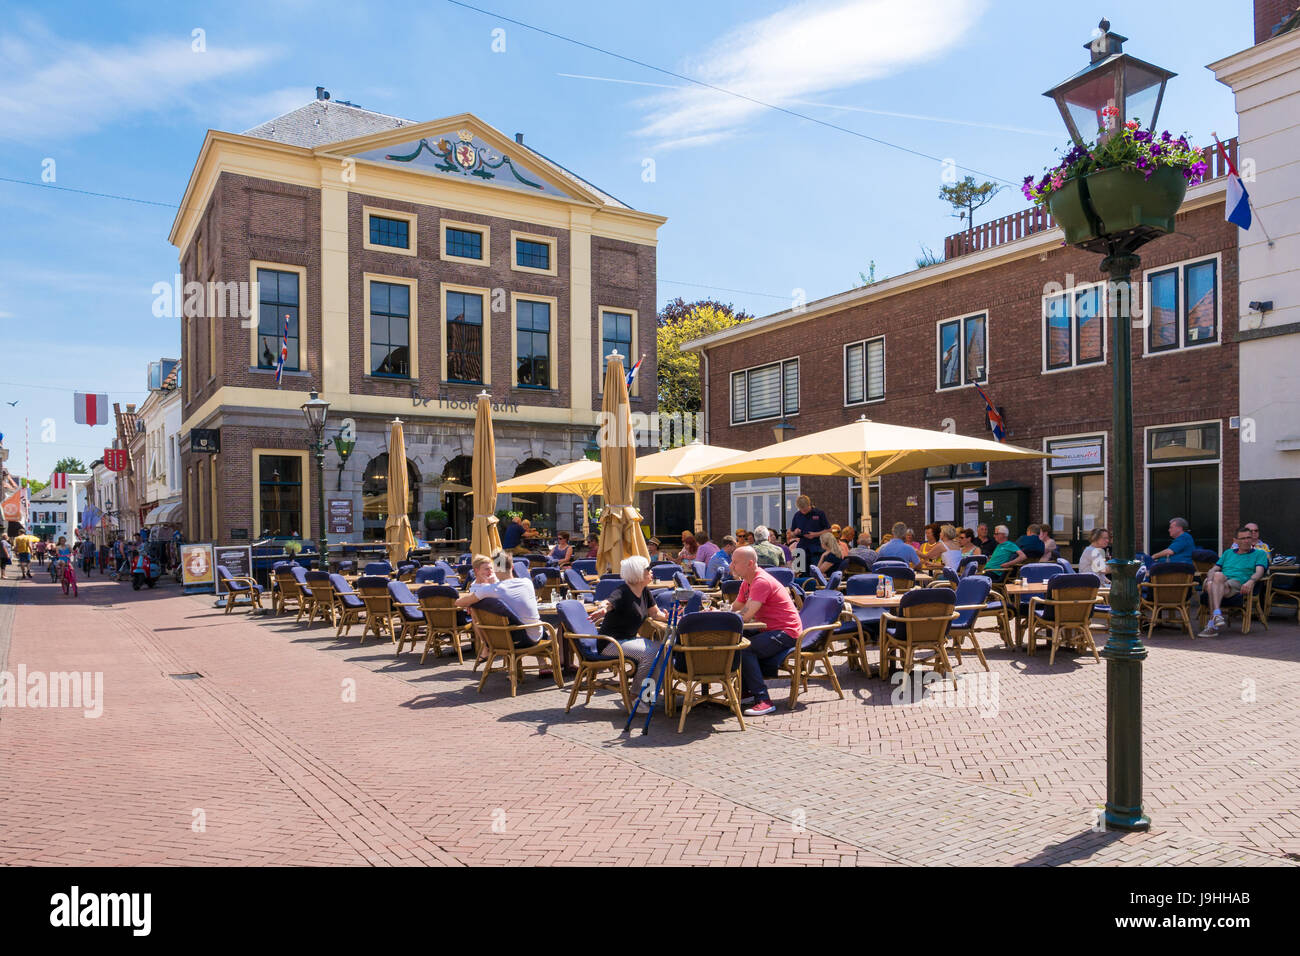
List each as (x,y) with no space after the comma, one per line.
(865,450)
(397,528)
(581,478)
(484,538)
(620,521)
(692,466)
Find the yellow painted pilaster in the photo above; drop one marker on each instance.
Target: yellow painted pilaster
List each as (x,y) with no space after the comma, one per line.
(580,306)
(334,282)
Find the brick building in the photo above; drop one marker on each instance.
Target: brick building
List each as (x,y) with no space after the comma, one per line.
(1025,317)
(413,266)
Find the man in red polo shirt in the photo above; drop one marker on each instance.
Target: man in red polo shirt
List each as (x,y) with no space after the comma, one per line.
(764,599)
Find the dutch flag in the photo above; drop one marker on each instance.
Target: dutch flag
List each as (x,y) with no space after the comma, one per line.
(1236,203)
(284,352)
(631,373)
(995,419)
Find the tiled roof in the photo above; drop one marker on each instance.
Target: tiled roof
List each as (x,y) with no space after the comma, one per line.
(324,121)
(329,121)
(172,377)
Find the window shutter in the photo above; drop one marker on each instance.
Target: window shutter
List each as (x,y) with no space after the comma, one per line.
(876,369)
(738,397)
(765,392)
(853,377)
(790,372)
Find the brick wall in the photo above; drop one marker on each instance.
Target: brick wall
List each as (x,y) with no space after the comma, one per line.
(623,276)
(1185,386)
(1268,14)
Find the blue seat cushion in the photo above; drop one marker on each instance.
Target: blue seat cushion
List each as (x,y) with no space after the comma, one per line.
(352,600)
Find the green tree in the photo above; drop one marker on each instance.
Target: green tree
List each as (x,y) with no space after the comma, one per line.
(73,466)
(967,196)
(35,485)
(679,372)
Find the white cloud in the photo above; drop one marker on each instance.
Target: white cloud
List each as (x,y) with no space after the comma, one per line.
(54,88)
(804,50)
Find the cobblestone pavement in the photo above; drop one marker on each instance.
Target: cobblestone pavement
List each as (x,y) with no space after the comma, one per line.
(294,747)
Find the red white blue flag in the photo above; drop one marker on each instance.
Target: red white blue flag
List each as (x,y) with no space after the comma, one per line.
(631,373)
(284,352)
(1236,202)
(995,418)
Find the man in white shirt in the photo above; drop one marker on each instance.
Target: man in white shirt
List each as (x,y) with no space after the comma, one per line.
(515,593)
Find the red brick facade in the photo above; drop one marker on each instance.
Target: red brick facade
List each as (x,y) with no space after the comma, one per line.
(1183,386)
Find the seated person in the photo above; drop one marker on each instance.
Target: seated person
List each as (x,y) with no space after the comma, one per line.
(1050,551)
(897,547)
(1180,543)
(1030,543)
(512,536)
(932,548)
(1254,533)
(1094,557)
(623,616)
(652,546)
(562,553)
(515,593)
(829,560)
(721,558)
(1006,555)
(687,554)
(1238,570)
(769,555)
(762,598)
(984,541)
(863,552)
(706,549)
(531,534)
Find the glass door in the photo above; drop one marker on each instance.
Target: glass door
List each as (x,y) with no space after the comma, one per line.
(1077,507)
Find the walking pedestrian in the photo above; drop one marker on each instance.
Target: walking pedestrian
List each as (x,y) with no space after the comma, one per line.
(6,556)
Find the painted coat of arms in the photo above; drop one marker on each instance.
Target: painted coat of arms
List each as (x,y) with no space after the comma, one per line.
(463,157)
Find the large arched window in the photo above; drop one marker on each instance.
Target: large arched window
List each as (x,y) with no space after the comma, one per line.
(374,497)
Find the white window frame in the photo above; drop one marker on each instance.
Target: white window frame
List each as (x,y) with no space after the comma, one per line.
(961,357)
(884,363)
(1181,267)
(782,413)
(1071,294)
(1104,467)
(738,488)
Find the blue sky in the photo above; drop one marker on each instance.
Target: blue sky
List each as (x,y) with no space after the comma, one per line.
(760,203)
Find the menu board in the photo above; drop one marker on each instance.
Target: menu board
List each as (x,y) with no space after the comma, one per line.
(197,568)
(237,560)
(340,515)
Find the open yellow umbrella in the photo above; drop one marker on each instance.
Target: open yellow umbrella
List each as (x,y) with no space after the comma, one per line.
(620,521)
(484,538)
(397,527)
(692,466)
(865,450)
(581,478)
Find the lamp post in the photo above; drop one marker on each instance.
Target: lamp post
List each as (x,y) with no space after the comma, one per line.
(781,431)
(1112,89)
(314,410)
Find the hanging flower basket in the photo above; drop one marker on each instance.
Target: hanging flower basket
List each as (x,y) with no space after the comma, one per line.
(1120,193)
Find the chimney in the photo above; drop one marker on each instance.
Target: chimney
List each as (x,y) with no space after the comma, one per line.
(322,93)
(519,138)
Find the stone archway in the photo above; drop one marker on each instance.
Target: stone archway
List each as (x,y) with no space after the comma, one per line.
(374,497)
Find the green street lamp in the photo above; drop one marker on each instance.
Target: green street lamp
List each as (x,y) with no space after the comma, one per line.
(315,410)
(1112,89)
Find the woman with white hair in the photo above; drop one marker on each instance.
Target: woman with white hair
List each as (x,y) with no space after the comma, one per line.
(624,616)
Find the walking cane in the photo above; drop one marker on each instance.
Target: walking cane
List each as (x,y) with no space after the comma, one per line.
(659,666)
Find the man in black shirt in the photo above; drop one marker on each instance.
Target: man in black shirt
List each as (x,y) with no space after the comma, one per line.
(809,522)
(984,541)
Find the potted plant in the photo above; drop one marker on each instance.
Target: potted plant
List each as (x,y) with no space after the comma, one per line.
(1131,182)
(435,519)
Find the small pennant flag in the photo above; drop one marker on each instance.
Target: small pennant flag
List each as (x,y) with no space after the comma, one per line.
(89,409)
(284,352)
(1236,201)
(995,418)
(59,479)
(631,373)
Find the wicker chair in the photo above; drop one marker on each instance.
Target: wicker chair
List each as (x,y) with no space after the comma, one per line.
(924,615)
(972,597)
(547,580)
(349,606)
(444,622)
(1285,586)
(305,597)
(819,617)
(287,590)
(378,569)
(322,597)
(860,626)
(498,631)
(237,587)
(1166,593)
(904,578)
(431,574)
(707,652)
(583,637)
(1066,608)
(408,619)
(379,607)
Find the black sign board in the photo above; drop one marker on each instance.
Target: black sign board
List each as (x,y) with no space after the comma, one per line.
(206,440)
(237,560)
(238,532)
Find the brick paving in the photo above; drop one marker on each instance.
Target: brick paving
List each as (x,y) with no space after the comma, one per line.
(296,748)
